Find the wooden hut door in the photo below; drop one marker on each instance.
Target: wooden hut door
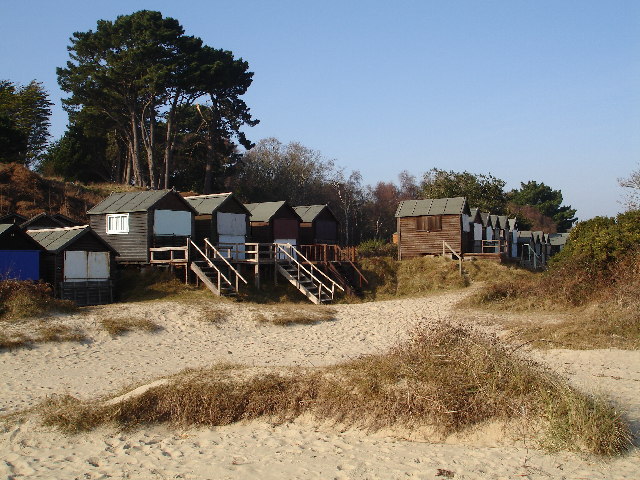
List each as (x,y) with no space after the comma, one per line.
(286,230)
(232,232)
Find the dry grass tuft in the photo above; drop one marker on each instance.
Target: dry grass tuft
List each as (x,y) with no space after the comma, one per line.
(284,315)
(118,326)
(447,378)
(43,332)
(600,309)
(24,299)
(156,284)
(389,278)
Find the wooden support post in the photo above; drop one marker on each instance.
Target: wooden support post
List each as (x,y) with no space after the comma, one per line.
(256,277)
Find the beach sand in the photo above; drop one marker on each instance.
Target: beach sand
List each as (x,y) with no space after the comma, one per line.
(105,365)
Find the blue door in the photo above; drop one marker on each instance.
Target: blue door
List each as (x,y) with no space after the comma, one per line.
(20,265)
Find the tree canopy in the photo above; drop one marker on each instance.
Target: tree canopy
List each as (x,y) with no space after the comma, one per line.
(24,122)
(546,201)
(485,192)
(139,71)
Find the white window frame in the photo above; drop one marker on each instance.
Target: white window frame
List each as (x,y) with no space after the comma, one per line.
(121,221)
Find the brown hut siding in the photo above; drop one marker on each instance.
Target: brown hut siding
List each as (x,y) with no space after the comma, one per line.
(307,236)
(261,232)
(132,247)
(416,243)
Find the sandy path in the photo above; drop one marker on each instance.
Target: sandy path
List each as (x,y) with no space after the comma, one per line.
(258,450)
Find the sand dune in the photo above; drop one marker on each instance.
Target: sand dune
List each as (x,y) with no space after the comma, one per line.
(302,449)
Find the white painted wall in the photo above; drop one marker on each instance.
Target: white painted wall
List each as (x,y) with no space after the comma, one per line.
(489,233)
(232,224)
(237,250)
(292,241)
(171,222)
(477,231)
(465,223)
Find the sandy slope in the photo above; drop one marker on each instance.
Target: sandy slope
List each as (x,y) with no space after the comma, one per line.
(258,450)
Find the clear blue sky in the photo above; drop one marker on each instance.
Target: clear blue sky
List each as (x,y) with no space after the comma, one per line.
(524,90)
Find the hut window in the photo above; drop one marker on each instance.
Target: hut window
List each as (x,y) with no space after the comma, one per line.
(118,223)
(431,223)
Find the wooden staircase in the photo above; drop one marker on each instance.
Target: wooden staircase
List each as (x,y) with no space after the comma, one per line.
(348,276)
(209,270)
(316,285)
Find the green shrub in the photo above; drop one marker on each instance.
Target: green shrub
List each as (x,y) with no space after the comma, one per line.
(377,248)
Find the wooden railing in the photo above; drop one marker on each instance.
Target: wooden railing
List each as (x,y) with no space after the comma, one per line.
(328,253)
(446,246)
(211,250)
(220,276)
(182,258)
(287,250)
(494,246)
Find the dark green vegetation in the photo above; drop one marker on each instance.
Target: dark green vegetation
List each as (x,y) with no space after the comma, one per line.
(133,84)
(546,201)
(24,122)
(596,278)
(445,378)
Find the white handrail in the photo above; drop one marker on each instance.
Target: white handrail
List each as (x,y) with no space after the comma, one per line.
(310,264)
(216,253)
(211,264)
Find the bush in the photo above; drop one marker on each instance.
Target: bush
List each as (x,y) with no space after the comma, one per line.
(377,248)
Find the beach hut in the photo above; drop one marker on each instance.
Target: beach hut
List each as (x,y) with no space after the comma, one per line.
(425,226)
(274,222)
(557,241)
(477,230)
(42,220)
(13,218)
(221,218)
(19,254)
(77,263)
(319,225)
(134,222)
(513,237)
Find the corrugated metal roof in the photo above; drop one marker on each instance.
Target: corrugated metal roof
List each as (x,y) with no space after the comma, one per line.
(44,216)
(207,204)
(129,202)
(56,239)
(486,219)
(262,212)
(5,226)
(557,239)
(432,206)
(308,213)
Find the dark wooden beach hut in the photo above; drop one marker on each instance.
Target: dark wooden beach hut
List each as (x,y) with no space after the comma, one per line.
(42,220)
(221,218)
(134,222)
(423,226)
(274,222)
(77,263)
(19,254)
(319,225)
